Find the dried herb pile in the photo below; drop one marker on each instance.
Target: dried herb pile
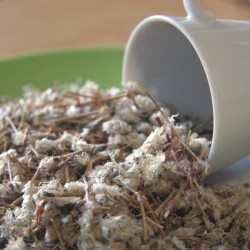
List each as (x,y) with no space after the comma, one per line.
(84,168)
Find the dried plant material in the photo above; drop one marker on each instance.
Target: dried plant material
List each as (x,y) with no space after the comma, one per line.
(84,168)
(17,244)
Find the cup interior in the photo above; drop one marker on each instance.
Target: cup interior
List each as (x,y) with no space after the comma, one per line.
(163,58)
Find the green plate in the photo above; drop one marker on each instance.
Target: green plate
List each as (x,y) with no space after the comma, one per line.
(42,70)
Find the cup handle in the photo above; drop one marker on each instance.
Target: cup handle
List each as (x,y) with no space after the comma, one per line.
(196,13)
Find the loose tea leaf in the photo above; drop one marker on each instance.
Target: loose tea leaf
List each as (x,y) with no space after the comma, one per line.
(85,168)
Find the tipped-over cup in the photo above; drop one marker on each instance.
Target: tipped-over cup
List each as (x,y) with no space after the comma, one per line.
(200,66)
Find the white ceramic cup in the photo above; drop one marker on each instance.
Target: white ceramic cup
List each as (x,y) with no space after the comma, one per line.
(201,67)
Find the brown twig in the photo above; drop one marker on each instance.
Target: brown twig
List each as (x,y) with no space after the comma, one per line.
(58,233)
(159,226)
(75,94)
(67,173)
(196,199)
(68,154)
(17,201)
(9,169)
(73,118)
(156,221)
(164,203)
(173,203)
(144,220)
